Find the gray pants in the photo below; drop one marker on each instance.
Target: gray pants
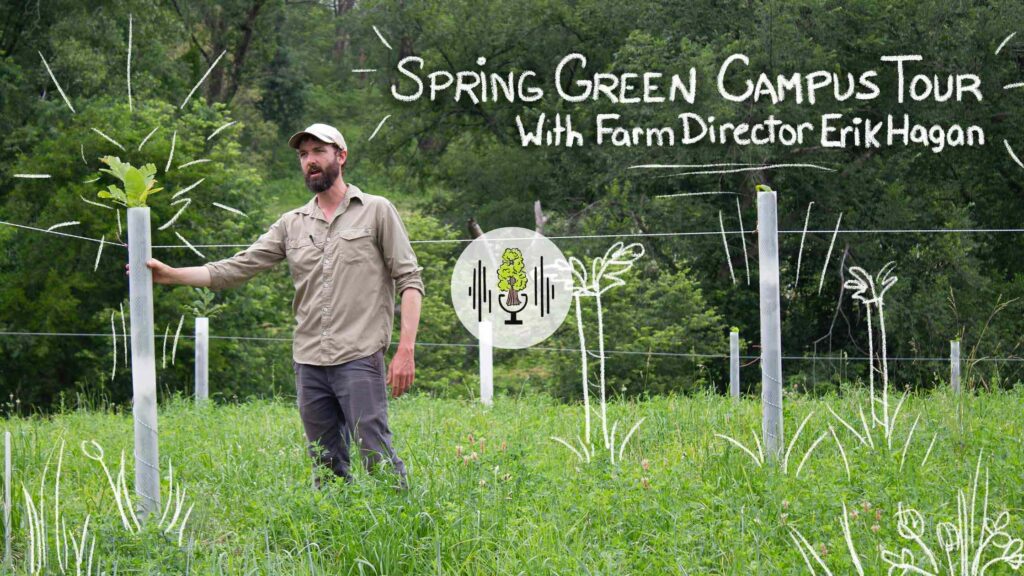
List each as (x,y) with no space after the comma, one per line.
(342,401)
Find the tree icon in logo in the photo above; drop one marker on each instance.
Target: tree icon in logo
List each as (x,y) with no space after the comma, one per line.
(512,279)
(504,265)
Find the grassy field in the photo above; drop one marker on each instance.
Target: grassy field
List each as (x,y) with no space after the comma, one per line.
(491,493)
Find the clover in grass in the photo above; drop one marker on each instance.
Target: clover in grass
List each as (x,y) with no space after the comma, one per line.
(138,182)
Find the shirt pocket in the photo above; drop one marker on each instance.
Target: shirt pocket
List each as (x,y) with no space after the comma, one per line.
(303,255)
(356,245)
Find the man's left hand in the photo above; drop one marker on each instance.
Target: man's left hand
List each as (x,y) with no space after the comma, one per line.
(401,372)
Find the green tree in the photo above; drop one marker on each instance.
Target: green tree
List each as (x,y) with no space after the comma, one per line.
(511,277)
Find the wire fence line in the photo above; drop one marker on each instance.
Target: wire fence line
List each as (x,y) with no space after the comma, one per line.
(585,236)
(680,234)
(566,237)
(537,348)
(64,234)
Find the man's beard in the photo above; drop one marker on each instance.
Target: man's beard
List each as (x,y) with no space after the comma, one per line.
(317,183)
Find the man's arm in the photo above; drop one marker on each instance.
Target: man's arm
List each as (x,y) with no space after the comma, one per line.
(265,252)
(229,272)
(403,366)
(198,276)
(405,271)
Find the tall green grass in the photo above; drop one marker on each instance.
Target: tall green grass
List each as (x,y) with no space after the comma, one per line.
(492,494)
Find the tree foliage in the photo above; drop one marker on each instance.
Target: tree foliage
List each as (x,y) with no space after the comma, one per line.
(288,64)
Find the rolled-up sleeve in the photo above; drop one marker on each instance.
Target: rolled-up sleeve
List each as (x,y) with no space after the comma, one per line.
(397,251)
(268,250)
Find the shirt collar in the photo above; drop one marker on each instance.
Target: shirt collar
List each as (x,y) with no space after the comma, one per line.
(312,208)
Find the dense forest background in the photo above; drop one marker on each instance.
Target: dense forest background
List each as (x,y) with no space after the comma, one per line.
(287,64)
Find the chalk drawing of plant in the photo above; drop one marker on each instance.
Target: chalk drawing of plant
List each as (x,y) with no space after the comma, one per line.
(967,547)
(79,557)
(870,291)
(758,457)
(39,544)
(122,499)
(605,274)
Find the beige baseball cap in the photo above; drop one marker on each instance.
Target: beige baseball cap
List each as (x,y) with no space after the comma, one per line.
(322,132)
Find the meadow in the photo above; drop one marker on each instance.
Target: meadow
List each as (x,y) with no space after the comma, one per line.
(492,493)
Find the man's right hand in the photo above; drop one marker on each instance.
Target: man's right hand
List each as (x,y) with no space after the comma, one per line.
(164,274)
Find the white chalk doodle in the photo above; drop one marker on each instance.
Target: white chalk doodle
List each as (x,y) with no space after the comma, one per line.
(686,194)
(743,240)
(174,218)
(39,544)
(107,138)
(177,334)
(187,188)
(128,73)
(223,127)
(1004,42)
(63,225)
(193,162)
(163,357)
(968,546)
(57,84)
(754,169)
(230,209)
(170,156)
(725,244)
(90,202)
(828,255)
(124,332)
(1012,154)
(758,457)
(113,340)
(377,129)
(803,236)
(605,274)
(870,291)
(381,36)
(201,80)
(146,139)
(676,166)
(99,253)
(125,508)
(190,246)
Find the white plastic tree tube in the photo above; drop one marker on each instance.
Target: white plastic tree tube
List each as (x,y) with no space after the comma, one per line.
(771,335)
(734,364)
(954,365)
(486,363)
(7,500)
(140,282)
(202,359)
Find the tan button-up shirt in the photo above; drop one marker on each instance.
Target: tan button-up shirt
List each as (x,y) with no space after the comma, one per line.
(345,273)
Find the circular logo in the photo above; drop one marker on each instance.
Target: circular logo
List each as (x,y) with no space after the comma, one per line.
(515,280)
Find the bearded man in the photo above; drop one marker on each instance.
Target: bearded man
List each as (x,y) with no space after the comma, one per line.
(348,252)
